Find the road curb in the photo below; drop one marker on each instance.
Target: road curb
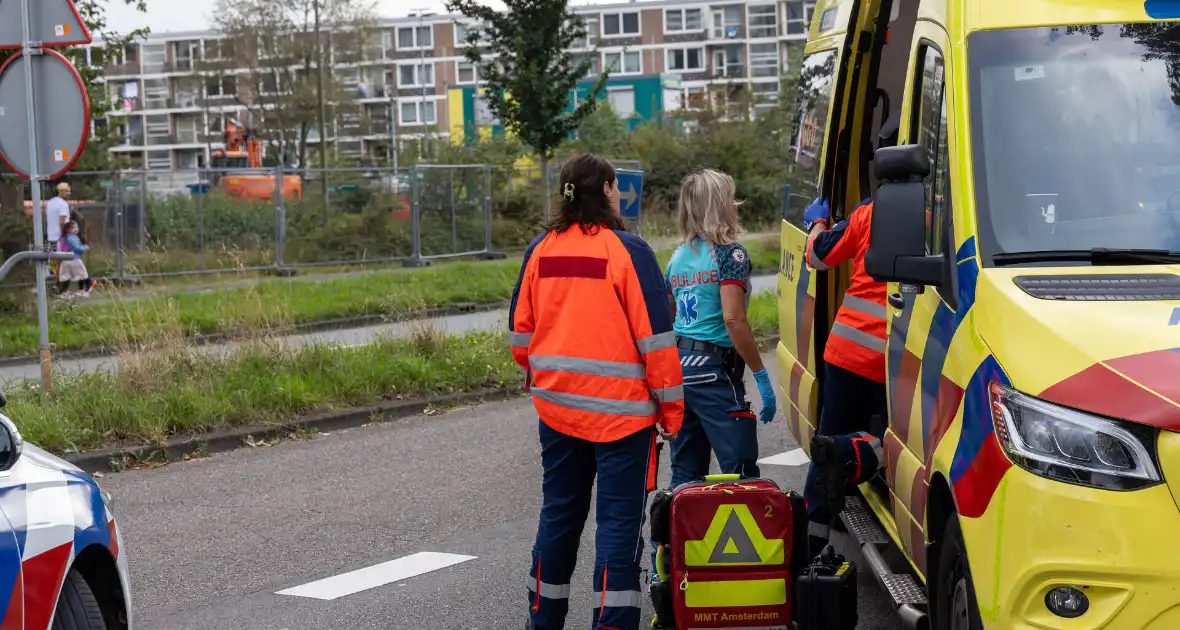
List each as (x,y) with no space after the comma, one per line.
(176,448)
(340,323)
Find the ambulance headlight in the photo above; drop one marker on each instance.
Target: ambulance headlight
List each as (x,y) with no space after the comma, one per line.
(1072,446)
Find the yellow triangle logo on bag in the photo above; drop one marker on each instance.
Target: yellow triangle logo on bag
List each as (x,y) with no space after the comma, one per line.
(733,539)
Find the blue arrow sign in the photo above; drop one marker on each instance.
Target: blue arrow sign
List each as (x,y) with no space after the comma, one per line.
(630,191)
(1175,321)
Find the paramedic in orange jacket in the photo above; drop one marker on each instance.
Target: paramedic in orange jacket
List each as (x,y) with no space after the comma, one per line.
(844,451)
(591,327)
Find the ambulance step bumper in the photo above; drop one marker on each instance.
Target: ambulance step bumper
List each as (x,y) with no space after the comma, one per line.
(909,597)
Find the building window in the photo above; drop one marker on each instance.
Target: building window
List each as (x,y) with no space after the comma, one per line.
(622,100)
(623,62)
(417,112)
(764,60)
(416,75)
(462,30)
(592,32)
(728,62)
(620,24)
(465,72)
(682,20)
(216,49)
(727,22)
(693,98)
(221,86)
(414,37)
(594,69)
(483,113)
(798,16)
(762,20)
(685,59)
(379,45)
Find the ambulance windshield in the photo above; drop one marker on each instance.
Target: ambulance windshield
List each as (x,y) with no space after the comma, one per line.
(1076,137)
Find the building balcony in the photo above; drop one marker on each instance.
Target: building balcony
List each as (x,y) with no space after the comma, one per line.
(731,72)
(375,127)
(130,68)
(181,65)
(722,32)
(217,100)
(134,141)
(376,55)
(188,101)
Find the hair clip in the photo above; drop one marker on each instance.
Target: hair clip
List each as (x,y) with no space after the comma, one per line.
(568,192)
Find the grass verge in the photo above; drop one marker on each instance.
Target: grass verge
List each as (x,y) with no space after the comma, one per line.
(154,396)
(280,304)
(159,394)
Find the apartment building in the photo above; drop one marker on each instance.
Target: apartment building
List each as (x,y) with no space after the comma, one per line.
(169,114)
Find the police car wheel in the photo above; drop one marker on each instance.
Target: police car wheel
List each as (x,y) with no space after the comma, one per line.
(954,606)
(77,608)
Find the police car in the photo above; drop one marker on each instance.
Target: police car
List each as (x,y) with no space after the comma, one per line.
(62,565)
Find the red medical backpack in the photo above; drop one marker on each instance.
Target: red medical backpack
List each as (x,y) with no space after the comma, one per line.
(731,544)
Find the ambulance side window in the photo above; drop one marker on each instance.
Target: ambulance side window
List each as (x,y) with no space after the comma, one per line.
(929,129)
(816,80)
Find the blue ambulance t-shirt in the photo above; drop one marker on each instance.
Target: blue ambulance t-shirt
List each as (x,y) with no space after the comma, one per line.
(695,275)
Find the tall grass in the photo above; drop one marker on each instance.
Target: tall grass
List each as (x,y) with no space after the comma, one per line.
(280,304)
(168,389)
(172,390)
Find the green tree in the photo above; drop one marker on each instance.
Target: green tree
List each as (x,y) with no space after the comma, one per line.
(530,83)
(283,44)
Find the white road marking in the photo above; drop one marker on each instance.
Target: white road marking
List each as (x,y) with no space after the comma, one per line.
(364,579)
(791,458)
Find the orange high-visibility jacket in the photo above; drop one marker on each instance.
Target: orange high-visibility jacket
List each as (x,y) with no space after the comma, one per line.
(857,340)
(591,325)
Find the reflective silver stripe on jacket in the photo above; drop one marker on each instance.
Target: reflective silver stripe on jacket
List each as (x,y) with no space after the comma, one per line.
(618,599)
(519,340)
(592,367)
(597,405)
(549,591)
(861,305)
(814,260)
(656,342)
(858,337)
(669,394)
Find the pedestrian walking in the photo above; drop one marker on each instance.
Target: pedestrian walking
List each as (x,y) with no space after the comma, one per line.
(709,276)
(591,328)
(73,269)
(57,215)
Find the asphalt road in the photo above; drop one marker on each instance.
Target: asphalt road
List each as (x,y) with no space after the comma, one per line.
(211,541)
(457,324)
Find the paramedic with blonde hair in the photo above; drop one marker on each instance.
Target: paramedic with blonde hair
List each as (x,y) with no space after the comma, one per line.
(709,278)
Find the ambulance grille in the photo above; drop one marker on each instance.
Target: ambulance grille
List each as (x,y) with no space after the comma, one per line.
(1103,288)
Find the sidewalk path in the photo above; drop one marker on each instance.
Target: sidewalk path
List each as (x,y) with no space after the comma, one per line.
(455,324)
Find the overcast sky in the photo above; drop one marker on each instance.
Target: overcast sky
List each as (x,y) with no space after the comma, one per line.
(190,15)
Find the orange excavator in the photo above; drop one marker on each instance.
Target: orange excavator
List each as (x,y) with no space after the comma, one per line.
(244,151)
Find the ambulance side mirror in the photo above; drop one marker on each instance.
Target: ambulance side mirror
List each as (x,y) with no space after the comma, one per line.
(897,237)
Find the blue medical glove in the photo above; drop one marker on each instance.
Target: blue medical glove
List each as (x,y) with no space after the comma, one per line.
(769,403)
(819,210)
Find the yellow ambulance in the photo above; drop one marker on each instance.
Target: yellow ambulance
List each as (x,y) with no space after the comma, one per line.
(1024,161)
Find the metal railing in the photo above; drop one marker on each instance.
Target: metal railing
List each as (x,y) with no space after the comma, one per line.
(150,224)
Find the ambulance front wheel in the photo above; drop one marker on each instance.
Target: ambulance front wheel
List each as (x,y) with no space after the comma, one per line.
(953,597)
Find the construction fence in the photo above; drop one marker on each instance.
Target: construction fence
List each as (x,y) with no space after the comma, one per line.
(145,224)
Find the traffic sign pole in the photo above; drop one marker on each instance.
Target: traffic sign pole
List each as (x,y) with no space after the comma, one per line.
(30,50)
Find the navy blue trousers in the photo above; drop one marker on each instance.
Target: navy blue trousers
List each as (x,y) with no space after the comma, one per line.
(850,401)
(625,472)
